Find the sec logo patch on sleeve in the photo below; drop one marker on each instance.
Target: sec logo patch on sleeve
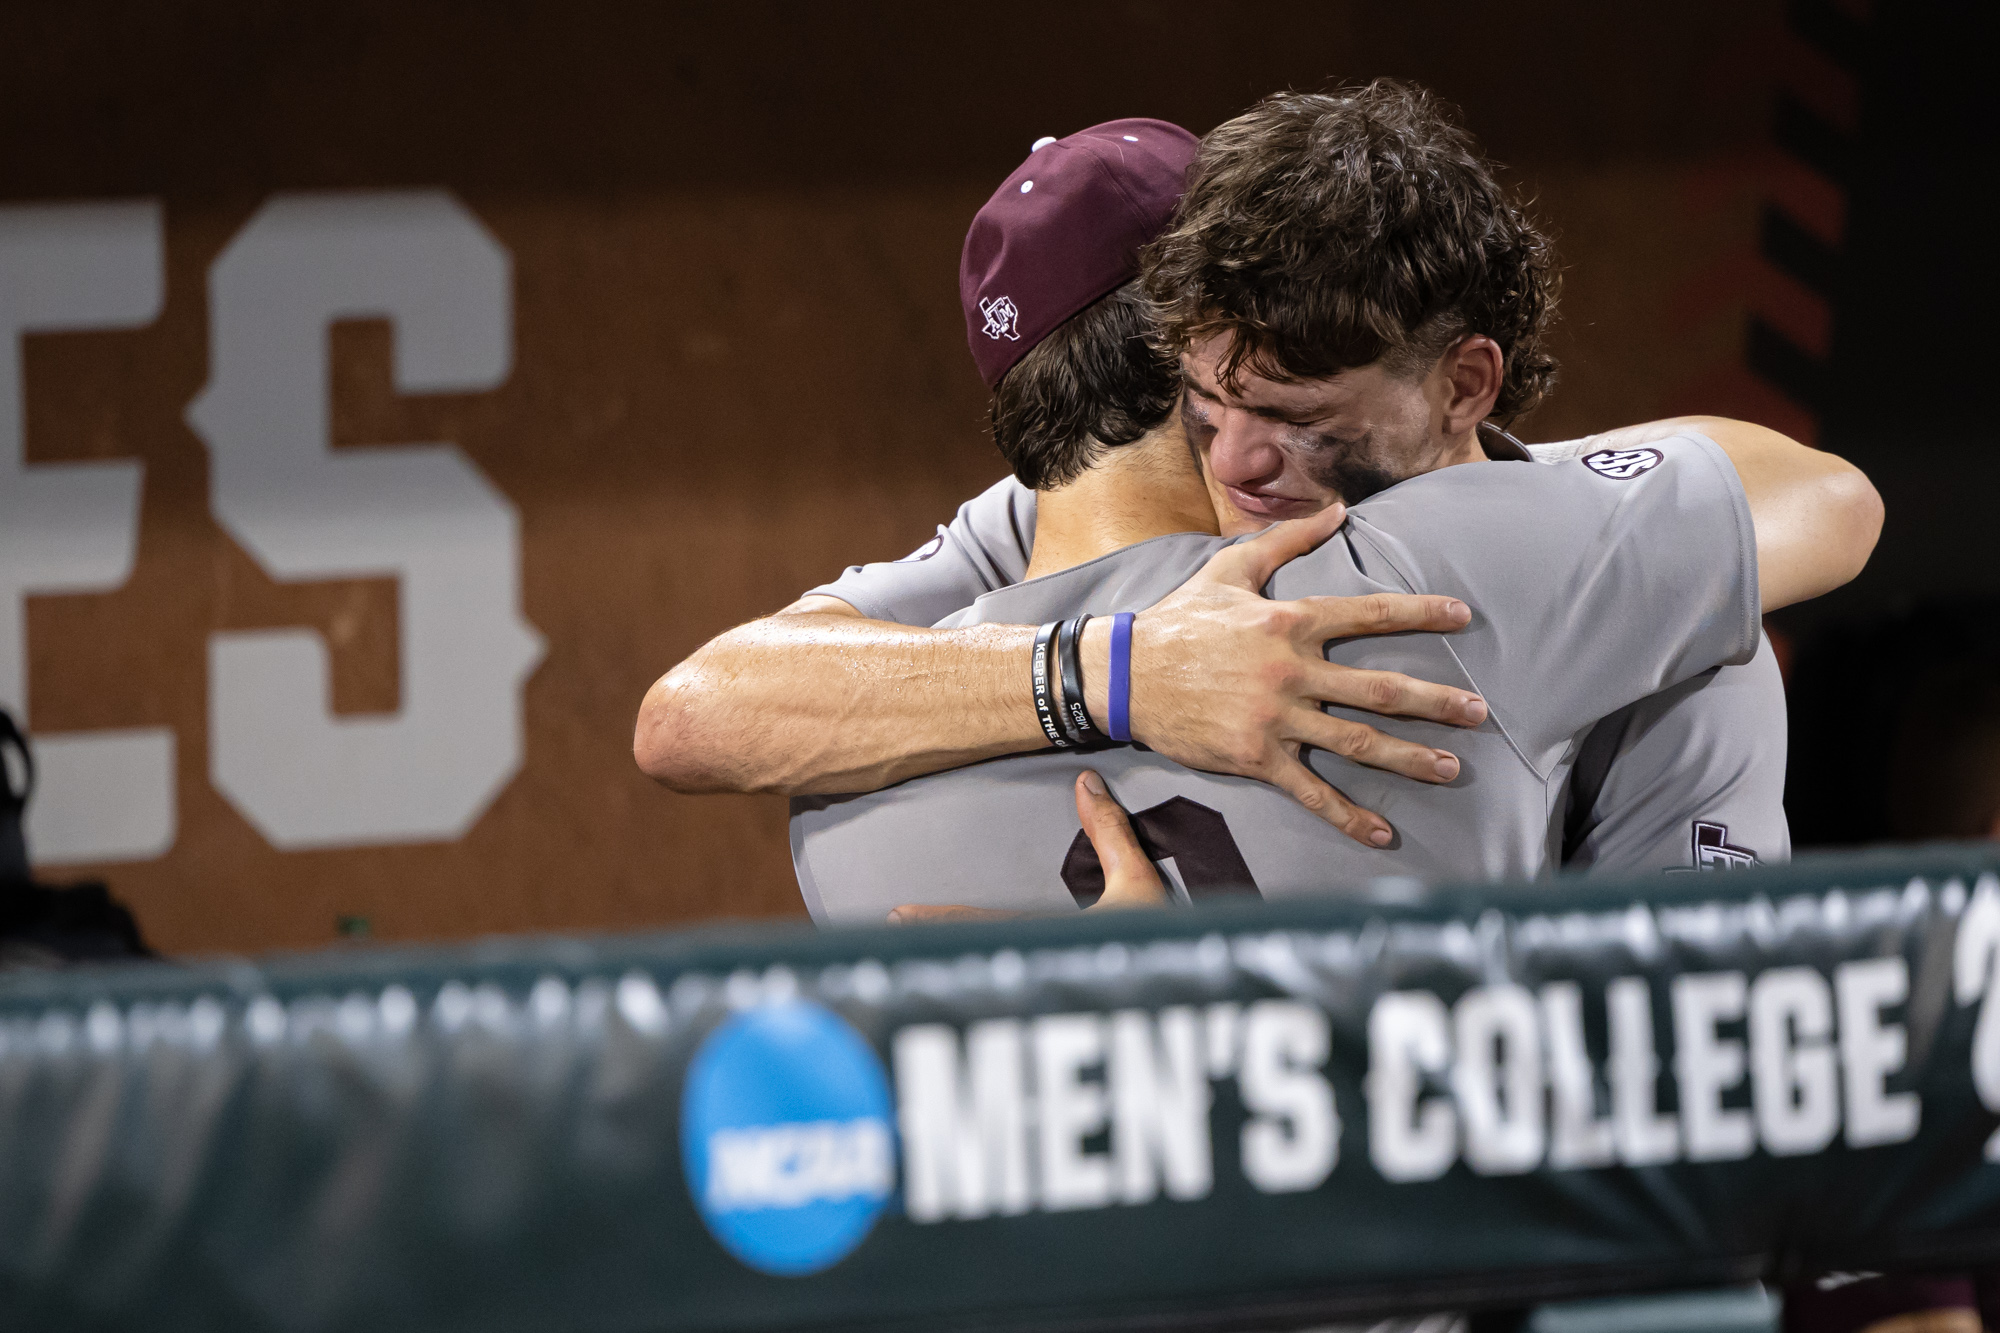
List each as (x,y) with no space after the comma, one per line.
(1623,464)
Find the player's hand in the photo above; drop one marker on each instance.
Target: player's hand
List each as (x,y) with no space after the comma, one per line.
(1130,879)
(923,914)
(1227,680)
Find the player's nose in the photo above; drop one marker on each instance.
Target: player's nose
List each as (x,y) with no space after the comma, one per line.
(1244,449)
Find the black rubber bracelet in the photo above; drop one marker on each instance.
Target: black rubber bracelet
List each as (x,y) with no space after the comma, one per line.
(1082,727)
(1045,704)
(1070,683)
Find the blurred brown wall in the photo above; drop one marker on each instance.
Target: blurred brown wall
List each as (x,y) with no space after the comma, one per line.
(738,359)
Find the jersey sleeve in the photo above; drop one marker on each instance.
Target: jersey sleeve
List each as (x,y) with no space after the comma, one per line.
(986,546)
(1593,582)
(1691,778)
(1563,451)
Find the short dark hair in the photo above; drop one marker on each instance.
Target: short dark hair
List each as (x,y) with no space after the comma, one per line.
(1327,231)
(1098,381)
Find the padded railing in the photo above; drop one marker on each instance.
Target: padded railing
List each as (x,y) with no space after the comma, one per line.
(1265,1113)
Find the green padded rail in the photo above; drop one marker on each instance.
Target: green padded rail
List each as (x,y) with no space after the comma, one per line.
(1209,1118)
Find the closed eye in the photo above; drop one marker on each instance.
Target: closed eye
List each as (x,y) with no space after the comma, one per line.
(1194,390)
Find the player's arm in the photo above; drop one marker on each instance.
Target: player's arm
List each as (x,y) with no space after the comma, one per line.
(816,699)
(1817,515)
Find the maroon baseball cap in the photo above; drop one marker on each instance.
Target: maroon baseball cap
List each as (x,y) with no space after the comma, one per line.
(1065,229)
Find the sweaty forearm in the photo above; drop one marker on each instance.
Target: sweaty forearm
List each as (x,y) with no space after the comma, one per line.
(809,702)
(816,699)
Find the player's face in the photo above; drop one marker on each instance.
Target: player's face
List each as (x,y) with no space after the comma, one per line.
(1274,450)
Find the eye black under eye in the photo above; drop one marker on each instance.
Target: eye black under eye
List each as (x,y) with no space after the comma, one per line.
(1319,439)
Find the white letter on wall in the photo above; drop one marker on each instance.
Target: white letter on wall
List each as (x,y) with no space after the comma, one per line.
(74,527)
(420,513)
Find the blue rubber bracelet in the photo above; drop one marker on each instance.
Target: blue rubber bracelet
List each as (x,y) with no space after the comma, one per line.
(1120,719)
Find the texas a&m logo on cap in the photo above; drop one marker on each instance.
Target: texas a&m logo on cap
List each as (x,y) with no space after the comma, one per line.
(1001,318)
(1623,464)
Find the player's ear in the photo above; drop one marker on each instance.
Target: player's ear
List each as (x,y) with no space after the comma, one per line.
(1474,369)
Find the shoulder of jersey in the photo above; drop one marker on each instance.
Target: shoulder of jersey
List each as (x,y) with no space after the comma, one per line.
(1624,464)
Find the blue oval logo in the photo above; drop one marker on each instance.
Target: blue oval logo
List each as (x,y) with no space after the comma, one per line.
(786,1137)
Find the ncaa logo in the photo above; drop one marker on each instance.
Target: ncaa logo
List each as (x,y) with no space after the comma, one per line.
(786,1139)
(1623,464)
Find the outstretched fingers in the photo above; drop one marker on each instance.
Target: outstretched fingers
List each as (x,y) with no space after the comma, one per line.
(1393,694)
(1325,618)
(1311,791)
(1377,749)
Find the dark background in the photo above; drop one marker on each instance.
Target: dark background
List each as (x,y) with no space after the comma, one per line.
(740,362)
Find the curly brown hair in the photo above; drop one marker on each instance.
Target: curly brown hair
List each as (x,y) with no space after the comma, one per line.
(1327,231)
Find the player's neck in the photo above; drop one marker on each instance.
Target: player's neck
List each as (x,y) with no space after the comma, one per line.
(1137,491)
(1466,448)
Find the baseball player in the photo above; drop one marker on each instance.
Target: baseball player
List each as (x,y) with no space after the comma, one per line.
(1694,530)
(820,699)
(980,545)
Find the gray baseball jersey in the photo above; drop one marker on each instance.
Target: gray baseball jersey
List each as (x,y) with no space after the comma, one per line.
(1690,779)
(1664,528)
(985,547)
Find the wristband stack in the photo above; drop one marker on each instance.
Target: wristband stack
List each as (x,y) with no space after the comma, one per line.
(1058,665)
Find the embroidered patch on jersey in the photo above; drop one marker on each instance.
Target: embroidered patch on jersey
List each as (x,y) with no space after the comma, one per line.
(926,551)
(1623,464)
(1713,852)
(1001,317)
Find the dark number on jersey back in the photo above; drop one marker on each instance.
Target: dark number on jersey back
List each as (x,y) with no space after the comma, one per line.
(1194,838)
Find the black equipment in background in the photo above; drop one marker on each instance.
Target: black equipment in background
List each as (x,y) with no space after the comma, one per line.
(42,925)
